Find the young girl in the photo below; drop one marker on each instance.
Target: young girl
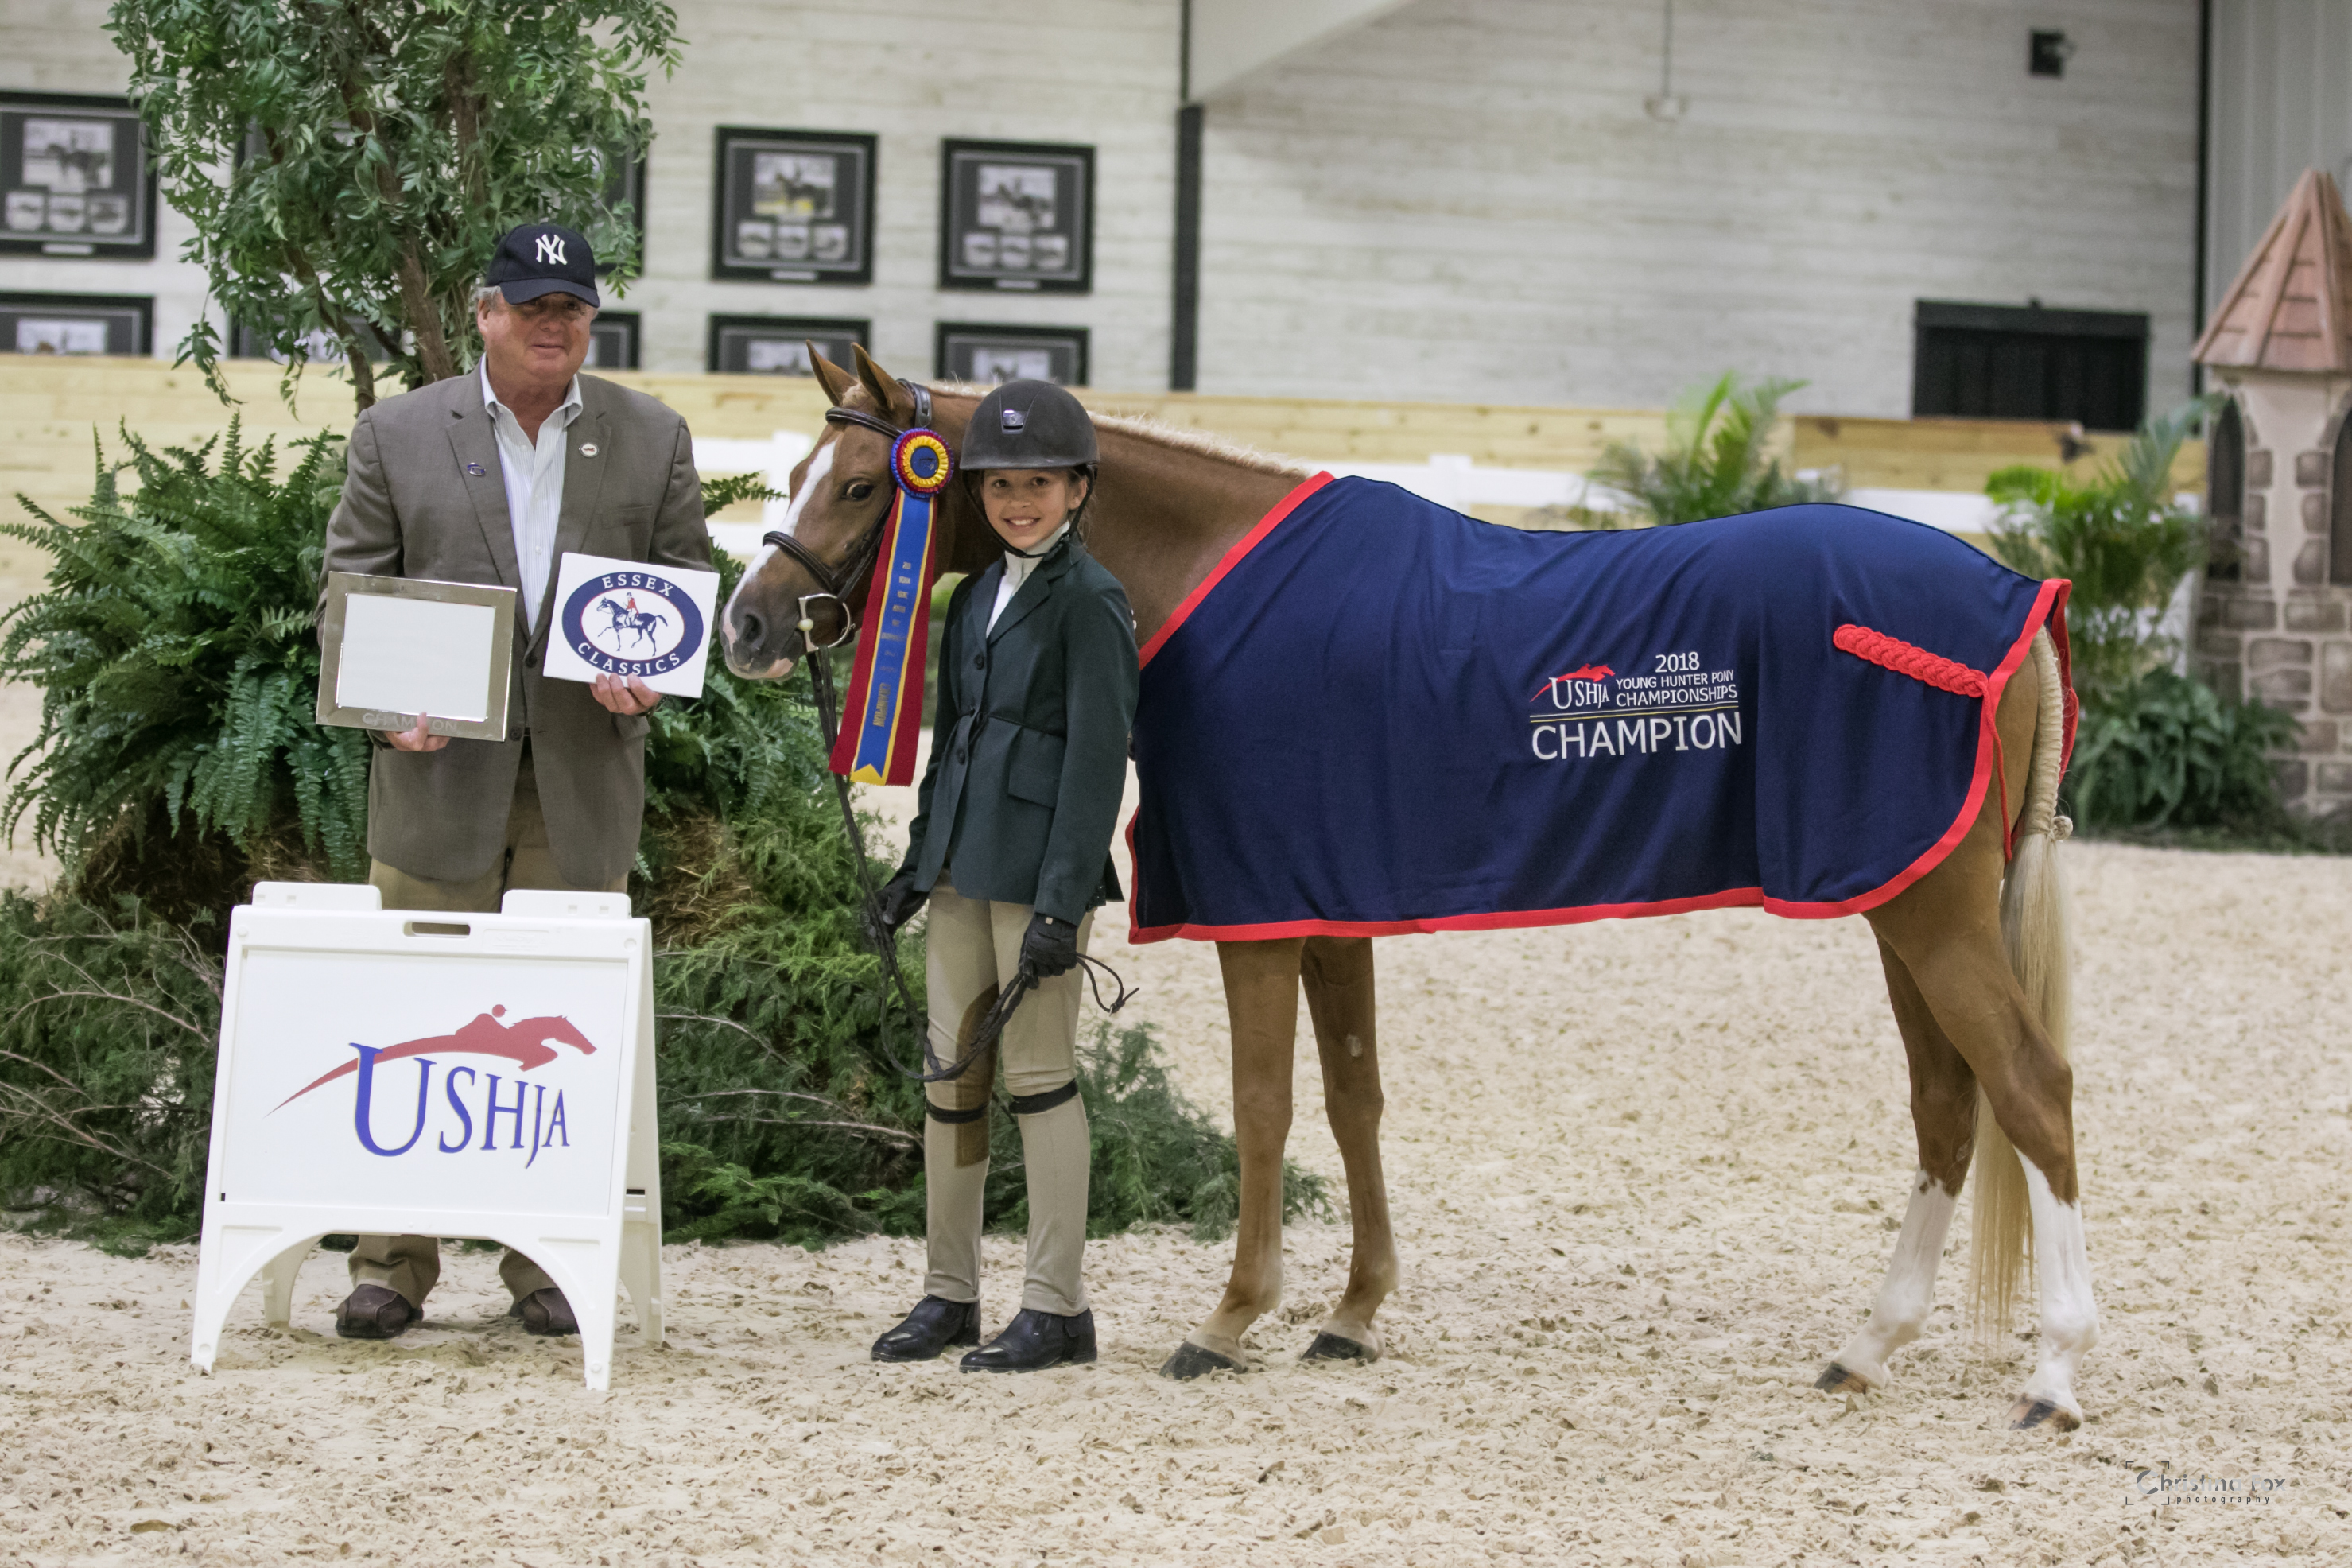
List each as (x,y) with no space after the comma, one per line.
(1011,844)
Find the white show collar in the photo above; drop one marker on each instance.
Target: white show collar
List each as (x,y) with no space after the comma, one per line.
(1017,567)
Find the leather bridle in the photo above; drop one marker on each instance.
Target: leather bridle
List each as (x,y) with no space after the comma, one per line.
(833,585)
(837,586)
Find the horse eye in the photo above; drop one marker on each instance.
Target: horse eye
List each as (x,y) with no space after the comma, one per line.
(858,490)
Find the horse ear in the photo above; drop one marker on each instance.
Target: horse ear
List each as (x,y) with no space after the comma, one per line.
(836,381)
(887,394)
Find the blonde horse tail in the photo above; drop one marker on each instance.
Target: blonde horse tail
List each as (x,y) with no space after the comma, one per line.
(2033,929)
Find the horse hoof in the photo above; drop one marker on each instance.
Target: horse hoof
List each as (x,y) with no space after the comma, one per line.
(1332,1347)
(2031,1413)
(1190,1361)
(1835,1378)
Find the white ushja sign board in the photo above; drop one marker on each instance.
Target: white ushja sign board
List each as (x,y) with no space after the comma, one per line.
(392,1072)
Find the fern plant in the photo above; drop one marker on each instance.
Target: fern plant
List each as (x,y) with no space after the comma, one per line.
(2167,752)
(176,647)
(1717,462)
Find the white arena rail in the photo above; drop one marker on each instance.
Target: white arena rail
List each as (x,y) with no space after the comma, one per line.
(773,458)
(1448,478)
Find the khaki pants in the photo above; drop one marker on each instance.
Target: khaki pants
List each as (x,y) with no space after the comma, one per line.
(410,1264)
(974,951)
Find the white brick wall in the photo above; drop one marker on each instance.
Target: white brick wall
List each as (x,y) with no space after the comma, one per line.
(1098,71)
(61,45)
(1466,199)
(1095,71)
(1463,199)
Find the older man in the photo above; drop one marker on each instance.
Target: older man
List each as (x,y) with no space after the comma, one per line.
(491,477)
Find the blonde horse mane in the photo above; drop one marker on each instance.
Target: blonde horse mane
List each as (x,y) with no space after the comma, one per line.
(1159,433)
(1203,444)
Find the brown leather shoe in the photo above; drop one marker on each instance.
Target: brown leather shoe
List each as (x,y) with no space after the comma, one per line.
(374,1312)
(546,1313)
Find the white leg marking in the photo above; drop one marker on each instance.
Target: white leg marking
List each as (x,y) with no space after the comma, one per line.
(1909,1293)
(2069,1320)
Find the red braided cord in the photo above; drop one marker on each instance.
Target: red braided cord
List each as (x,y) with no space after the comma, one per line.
(1903,658)
(1945,675)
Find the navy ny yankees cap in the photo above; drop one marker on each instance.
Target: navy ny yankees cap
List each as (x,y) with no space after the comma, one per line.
(543,258)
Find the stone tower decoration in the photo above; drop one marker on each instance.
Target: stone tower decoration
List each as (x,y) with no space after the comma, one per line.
(2272,623)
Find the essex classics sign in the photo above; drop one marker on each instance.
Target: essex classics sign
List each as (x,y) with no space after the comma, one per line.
(628,619)
(384,1071)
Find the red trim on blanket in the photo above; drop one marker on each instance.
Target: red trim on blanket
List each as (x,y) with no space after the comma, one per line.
(2048,606)
(1232,558)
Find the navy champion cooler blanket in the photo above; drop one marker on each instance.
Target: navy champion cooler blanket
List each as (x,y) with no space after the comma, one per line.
(1378,716)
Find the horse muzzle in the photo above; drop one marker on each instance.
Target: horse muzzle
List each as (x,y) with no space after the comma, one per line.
(744,635)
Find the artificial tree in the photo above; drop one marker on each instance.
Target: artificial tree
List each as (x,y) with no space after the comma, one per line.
(349,164)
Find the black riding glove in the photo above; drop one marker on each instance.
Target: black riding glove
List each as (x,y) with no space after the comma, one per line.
(1050,948)
(898,901)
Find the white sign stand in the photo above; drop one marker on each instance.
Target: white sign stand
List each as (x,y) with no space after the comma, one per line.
(394,1072)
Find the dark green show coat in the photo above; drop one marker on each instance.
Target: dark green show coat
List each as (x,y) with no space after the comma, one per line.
(1029,744)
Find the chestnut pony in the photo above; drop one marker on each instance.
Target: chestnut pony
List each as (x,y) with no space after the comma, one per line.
(1974,952)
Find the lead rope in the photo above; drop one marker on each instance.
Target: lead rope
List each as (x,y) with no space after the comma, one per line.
(885,941)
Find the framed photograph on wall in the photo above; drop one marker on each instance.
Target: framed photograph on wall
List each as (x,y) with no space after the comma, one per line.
(777,345)
(612,341)
(793,207)
(1017,216)
(979,352)
(75,177)
(77,324)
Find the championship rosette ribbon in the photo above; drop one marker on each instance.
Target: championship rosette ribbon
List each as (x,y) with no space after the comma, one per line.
(885,702)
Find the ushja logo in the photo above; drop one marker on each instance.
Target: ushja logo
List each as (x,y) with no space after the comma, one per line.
(525,1043)
(1595,673)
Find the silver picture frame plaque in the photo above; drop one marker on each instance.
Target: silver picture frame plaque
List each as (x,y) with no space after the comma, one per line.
(395,648)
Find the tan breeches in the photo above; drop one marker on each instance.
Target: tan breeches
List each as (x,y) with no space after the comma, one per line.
(410,1264)
(974,951)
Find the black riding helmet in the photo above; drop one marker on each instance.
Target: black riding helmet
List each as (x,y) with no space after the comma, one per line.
(1029,425)
(1032,425)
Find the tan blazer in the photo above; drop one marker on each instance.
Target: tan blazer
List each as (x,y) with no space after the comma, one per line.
(425,497)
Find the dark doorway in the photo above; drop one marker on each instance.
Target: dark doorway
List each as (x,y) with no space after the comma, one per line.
(2003,361)
(2225,495)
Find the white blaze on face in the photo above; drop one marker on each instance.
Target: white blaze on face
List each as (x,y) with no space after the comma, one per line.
(820,465)
(2069,1320)
(1909,1293)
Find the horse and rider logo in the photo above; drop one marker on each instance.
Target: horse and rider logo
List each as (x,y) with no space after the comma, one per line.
(632,623)
(624,619)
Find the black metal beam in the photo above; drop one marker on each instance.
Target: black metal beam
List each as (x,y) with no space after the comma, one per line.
(2204,174)
(1184,321)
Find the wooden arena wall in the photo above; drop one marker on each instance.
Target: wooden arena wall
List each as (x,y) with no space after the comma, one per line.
(50,409)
